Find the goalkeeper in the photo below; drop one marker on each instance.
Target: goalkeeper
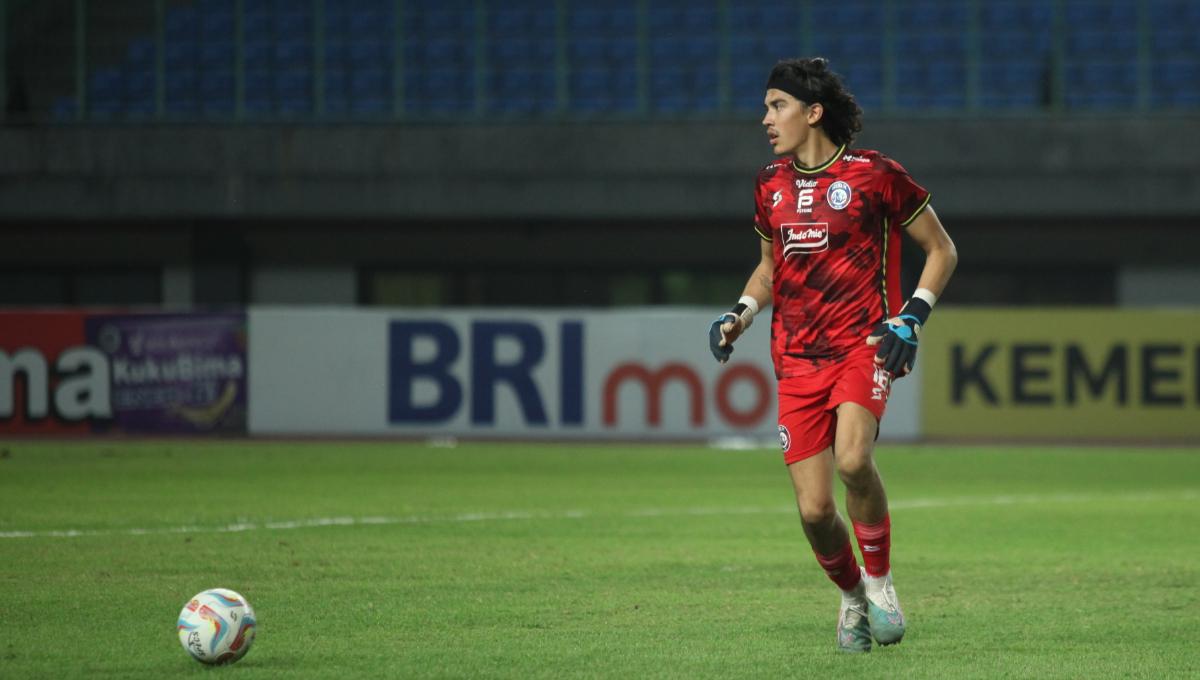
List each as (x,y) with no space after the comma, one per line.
(830,220)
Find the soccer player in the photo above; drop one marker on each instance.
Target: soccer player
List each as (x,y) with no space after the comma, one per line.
(829,219)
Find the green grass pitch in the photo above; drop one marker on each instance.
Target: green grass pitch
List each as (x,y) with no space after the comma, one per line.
(400,560)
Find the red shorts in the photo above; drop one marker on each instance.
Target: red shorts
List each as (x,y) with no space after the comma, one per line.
(808,403)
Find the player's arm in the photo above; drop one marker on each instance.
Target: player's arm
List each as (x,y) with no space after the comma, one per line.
(755,296)
(941,257)
(897,337)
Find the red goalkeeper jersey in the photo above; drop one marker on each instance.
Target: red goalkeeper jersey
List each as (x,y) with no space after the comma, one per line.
(835,230)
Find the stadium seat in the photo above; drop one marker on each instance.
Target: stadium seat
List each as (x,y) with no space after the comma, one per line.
(181,86)
(1019,44)
(256,25)
(932,15)
(139,84)
(293,26)
(216,55)
(217,25)
(368,54)
(289,54)
(181,23)
(258,55)
(141,52)
(181,54)
(1101,14)
(370,83)
(1101,44)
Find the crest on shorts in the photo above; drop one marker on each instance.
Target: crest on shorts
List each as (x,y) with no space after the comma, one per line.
(785,438)
(838,195)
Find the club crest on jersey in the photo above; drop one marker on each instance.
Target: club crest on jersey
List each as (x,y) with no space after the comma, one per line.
(802,238)
(838,195)
(785,438)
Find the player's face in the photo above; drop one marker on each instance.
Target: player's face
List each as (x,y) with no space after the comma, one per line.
(787,122)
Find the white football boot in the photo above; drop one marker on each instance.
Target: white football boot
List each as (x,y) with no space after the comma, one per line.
(883,609)
(853,631)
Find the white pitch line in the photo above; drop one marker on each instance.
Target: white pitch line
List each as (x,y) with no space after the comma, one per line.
(283,525)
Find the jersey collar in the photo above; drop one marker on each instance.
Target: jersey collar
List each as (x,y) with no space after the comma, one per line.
(810,171)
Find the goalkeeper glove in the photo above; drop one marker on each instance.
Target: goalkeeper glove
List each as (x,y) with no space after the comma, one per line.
(725,329)
(897,338)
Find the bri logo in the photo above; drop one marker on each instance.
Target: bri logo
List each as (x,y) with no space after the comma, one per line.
(802,238)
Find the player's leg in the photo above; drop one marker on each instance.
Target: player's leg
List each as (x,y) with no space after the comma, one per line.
(866,503)
(812,480)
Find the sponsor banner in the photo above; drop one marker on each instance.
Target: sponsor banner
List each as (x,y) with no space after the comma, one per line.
(75,372)
(515,373)
(47,385)
(1062,374)
(181,373)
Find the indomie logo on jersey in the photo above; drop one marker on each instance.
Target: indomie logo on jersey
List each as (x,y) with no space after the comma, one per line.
(804,237)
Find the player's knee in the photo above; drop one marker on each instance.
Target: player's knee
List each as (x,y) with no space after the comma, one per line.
(854,465)
(817,511)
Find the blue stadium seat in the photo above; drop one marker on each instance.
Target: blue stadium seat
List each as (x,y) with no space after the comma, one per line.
(695,50)
(141,52)
(63,109)
(290,54)
(447,23)
(1178,74)
(1171,42)
(368,54)
(585,52)
(936,15)
(139,83)
(854,46)
(931,45)
(1009,77)
(1003,16)
(256,25)
(698,19)
(259,55)
(216,85)
(1175,13)
(105,85)
(1101,14)
(181,23)
(1102,44)
(1022,44)
(182,89)
(293,26)
(217,25)
(139,109)
(181,54)
(337,82)
(449,53)
(864,16)
(337,54)
(862,77)
(337,22)
(763,18)
(370,83)
(523,52)
(586,21)
(216,55)
(371,107)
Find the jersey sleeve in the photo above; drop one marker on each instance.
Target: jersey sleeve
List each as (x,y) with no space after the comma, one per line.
(903,198)
(762,221)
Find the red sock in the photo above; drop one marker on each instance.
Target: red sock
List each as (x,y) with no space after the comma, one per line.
(841,567)
(875,542)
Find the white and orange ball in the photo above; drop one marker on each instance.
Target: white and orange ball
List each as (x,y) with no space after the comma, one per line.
(217,626)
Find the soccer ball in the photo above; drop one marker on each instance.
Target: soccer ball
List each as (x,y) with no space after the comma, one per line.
(217,626)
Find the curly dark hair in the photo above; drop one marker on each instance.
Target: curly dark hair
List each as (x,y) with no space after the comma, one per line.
(843,116)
